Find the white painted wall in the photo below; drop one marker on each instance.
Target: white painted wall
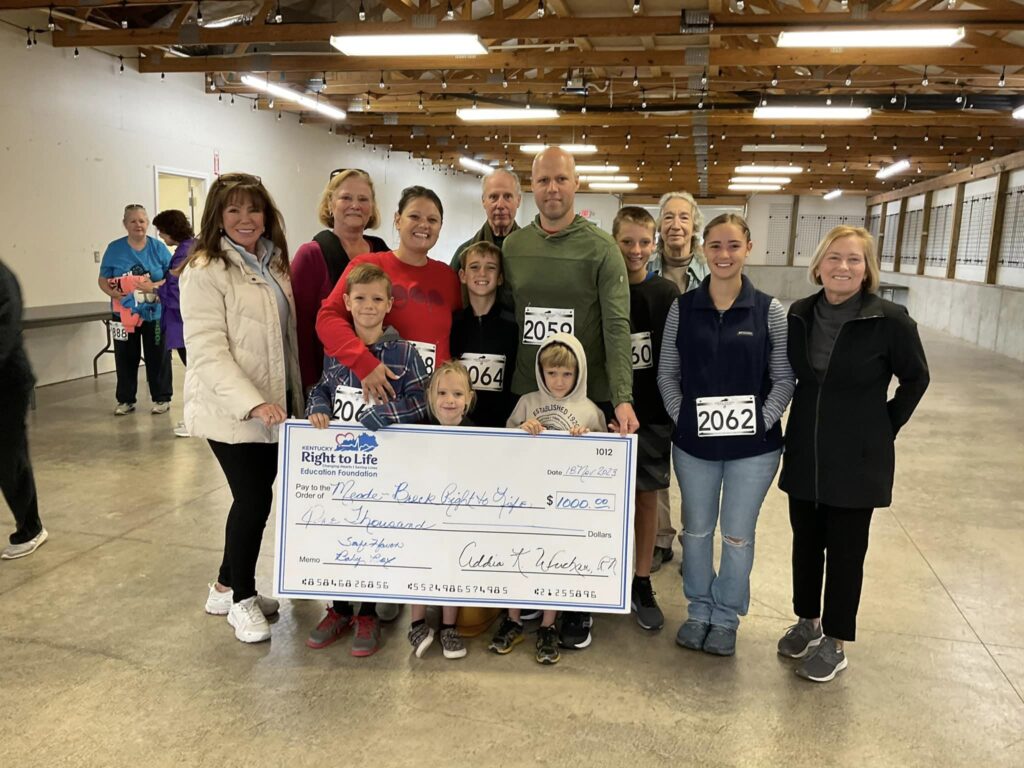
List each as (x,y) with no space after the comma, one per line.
(810,205)
(83,141)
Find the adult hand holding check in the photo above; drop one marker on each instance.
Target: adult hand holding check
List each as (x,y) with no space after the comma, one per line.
(376,387)
(625,421)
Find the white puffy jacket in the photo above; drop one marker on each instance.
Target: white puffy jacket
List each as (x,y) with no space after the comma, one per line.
(236,357)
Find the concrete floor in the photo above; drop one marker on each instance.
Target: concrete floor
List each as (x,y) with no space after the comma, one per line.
(106,656)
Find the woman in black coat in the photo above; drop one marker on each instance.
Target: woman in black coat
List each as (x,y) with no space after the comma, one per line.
(845,345)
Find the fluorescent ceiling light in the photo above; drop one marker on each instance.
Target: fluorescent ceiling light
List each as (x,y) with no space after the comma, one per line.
(613,186)
(504,114)
(891,170)
(832,195)
(755,187)
(430,44)
(597,169)
(873,38)
(1019,112)
(760,179)
(812,113)
(784,148)
(476,166)
(573,149)
(307,102)
(603,178)
(227,21)
(791,170)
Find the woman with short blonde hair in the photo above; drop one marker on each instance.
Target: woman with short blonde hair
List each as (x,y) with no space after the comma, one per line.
(872,272)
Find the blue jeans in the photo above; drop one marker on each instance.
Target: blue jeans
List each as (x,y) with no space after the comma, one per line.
(738,487)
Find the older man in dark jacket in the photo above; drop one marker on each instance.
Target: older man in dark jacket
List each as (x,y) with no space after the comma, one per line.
(16,381)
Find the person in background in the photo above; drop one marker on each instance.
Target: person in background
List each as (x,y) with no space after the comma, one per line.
(348,207)
(243,377)
(725,381)
(16,381)
(845,344)
(174,228)
(132,269)
(501,196)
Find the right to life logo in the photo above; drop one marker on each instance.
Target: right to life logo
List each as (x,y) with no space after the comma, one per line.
(363,442)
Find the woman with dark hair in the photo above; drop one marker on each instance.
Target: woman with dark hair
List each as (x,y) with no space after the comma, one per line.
(348,207)
(131,271)
(426,293)
(243,375)
(845,344)
(174,228)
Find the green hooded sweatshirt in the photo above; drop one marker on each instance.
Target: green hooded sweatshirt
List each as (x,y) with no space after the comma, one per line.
(578,268)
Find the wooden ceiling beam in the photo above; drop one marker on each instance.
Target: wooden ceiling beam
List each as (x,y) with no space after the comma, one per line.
(941,57)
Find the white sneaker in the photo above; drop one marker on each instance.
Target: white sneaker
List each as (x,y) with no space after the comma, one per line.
(123,409)
(219,603)
(161,406)
(180,430)
(14,551)
(249,622)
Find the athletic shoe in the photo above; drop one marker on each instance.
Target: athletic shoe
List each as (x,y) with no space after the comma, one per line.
(451,643)
(575,632)
(529,614)
(388,611)
(800,639)
(547,646)
(508,636)
(721,641)
(827,661)
(160,406)
(645,607)
(14,551)
(219,603)
(180,430)
(692,634)
(367,638)
(249,622)
(332,627)
(123,409)
(420,638)
(661,555)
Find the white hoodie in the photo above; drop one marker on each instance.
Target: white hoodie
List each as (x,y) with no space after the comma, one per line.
(560,413)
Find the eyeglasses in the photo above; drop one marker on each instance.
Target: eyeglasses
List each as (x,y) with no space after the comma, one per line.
(244,178)
(336,171)
(134,207)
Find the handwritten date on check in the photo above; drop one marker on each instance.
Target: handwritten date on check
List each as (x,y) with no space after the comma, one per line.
(455,516)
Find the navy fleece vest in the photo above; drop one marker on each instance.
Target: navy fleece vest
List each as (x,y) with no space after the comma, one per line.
(724,353)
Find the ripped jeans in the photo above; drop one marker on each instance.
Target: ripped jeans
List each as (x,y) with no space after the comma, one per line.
(736,488)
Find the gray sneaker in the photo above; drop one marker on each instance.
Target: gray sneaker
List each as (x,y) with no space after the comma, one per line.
(451,643)
(692,633)
(420,638)
(824,663)
(366,641)
(800,639)
(721,641)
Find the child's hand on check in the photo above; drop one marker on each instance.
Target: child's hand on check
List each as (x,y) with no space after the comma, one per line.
(578,430)
(532,426)
(319,420)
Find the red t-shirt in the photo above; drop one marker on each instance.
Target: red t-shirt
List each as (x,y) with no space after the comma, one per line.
(425,299)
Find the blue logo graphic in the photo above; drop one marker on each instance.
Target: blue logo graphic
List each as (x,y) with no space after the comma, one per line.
(364,442)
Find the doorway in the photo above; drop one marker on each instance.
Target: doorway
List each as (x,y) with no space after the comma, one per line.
(183,190)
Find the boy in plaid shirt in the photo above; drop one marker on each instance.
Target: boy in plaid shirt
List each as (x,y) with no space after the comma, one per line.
(338,395)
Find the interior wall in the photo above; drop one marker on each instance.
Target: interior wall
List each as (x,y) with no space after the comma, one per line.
(85,140)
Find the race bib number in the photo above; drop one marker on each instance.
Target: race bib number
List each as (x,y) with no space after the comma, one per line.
(643,352)
(541,322)
(486,372)
(731,416)
(349,405)
(429,354)
(117,331)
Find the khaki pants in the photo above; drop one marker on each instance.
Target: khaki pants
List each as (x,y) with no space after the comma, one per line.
(666,533)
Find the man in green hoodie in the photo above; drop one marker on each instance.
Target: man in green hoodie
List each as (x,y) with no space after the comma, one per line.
(566,275)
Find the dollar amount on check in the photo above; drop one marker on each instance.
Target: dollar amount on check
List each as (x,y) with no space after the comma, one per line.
(455,516)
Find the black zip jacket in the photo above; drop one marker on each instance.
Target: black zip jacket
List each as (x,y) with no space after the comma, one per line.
(495,333)
(839,445)
(15,371)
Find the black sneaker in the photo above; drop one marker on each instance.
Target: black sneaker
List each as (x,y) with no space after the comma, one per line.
(547,646)
(661,555)
(645,607)
(575,632)
(508,636)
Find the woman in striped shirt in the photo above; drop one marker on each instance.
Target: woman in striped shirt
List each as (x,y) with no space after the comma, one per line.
(725,381)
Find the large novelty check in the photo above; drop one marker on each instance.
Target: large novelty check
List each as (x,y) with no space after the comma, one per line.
(460,516)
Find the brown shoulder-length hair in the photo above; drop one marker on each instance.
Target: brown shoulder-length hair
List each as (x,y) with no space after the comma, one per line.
(872,273)
(323,210)
(233,187)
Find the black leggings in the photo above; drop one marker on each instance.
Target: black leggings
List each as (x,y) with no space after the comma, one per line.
(829,542)
(250,469)
(158,364)
(16,479)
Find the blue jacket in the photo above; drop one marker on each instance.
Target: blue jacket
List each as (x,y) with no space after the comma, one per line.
(409,406)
